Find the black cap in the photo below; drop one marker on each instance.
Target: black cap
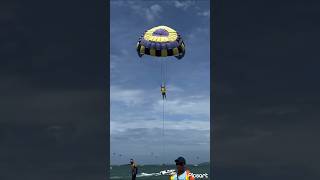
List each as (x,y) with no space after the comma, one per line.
(180,160)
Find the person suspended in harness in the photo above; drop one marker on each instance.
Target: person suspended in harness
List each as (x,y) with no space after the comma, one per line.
(182,172)
(163,91)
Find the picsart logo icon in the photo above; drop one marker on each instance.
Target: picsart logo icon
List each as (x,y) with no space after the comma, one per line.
(199,176)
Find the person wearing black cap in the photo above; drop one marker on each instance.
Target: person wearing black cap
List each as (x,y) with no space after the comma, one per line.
(182,172)
(134,169)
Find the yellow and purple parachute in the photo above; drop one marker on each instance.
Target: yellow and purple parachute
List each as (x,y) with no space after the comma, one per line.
(161,41)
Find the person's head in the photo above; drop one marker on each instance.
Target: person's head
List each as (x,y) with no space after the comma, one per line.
(131,161)
(180,163)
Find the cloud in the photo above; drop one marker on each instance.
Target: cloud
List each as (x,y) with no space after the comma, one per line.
(136,109)
(204,13)
(183,4)
(119,64)
(153,12)
(175,89)
(198,34)
(189,105)
(136,140)
(112,67)
(149,136)
(118,126)
(117,3)
(149,13)
(129,97)
(114,61)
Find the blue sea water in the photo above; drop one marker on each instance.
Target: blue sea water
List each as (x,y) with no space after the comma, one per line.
(150,172)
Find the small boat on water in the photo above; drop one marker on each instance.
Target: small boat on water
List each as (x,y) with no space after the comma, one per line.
(168,172)
(145,174)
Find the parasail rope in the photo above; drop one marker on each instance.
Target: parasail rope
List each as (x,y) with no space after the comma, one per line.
(165,72)
(163,116)
(163,80)
(161,72)
(163,112)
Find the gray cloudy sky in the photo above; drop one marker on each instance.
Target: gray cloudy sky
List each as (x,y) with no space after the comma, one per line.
(136,104)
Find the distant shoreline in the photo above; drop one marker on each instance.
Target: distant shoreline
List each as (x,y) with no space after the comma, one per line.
(204,163)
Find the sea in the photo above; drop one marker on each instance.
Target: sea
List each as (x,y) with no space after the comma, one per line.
(151,172)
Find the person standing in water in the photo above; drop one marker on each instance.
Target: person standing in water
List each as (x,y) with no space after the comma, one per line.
(134,169)
(182,172)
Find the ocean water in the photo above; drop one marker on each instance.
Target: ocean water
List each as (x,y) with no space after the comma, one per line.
(123,172)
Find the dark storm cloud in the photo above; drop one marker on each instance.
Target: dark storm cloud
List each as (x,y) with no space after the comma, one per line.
(267,109)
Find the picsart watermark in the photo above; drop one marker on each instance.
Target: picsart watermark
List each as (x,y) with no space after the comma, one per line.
(199,176)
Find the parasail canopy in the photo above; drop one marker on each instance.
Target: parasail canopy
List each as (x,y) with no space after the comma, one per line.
(161,41)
